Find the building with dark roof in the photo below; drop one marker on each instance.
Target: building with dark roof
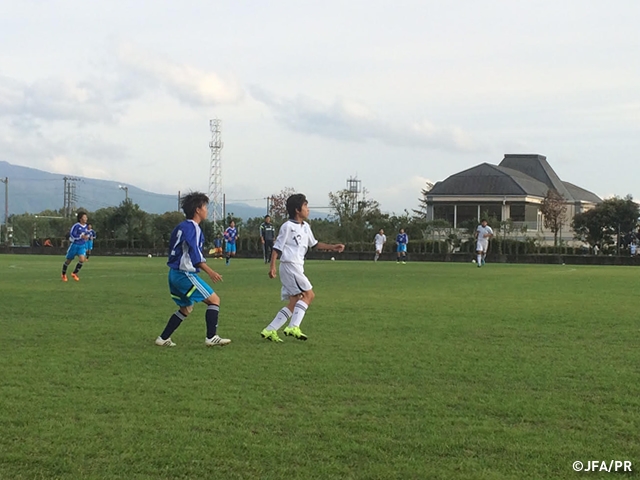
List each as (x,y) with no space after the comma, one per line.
(512,190)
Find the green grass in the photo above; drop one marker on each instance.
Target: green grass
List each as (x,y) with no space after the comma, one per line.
(417,371)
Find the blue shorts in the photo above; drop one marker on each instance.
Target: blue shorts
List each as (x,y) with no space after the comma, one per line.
(89,244)
(76,250)
(402,248)
(187,288)
(230,248)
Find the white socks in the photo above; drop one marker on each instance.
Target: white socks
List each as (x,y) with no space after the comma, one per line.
(281,318)
(298,313)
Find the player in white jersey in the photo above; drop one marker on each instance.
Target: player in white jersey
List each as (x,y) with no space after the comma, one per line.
(379,241)
(483,234)
(294,239)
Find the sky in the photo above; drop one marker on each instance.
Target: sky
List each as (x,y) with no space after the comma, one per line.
(395,93)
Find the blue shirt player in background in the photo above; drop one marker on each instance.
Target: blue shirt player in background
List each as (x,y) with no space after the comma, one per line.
(92,235)
(185,261)
(401,240)
(230,236)
(78,236)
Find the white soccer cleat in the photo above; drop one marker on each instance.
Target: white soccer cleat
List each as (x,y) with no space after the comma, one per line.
(164,343)
(216,341)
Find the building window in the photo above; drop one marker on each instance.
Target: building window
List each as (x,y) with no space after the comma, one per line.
(491,210)
(443,212)
(517,212)
(467,213)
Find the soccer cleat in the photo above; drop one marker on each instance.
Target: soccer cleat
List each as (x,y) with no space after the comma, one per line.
(295,332)
(164,343)
(75,277)
(404,263)
(216,341)
(271,335)
(64,277)
(483,262)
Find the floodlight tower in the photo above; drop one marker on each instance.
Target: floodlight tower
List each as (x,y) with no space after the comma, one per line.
(215,172)
(354,187)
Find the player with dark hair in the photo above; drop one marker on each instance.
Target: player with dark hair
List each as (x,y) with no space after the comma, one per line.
(230,236)
(294,239)
(401,241)
(78,236)
(483,234)
(185,261)
(267,236)
(92,235)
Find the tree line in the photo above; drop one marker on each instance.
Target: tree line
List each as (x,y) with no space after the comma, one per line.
(353,220)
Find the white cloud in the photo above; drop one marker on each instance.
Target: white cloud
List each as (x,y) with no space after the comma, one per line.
(349,120)
(187,83)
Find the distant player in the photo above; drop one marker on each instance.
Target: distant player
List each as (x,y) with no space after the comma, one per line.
(294,239)
(230,236)
(185,261)
(401,241)
(217,247)
(78,236)
(92,236)
(379,242)
(267,236)
(483,234)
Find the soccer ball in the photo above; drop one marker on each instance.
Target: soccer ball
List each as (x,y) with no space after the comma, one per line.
(149,255)
(473,261)
(333,259)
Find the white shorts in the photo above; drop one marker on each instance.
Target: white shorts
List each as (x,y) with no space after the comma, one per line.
(482,245)
(379,247)
(293,279)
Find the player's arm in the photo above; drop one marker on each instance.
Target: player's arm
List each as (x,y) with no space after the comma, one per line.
(214,276)
(262,232)
(334,247)
(272,265)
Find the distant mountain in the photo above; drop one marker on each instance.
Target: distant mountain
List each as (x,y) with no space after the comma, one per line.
(33,191)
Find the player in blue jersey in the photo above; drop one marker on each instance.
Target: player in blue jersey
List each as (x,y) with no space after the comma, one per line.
(92,235)
(185,261)
(401,241)
(230,236)
(78,236)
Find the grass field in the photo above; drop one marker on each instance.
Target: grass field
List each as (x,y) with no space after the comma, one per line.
(417,371)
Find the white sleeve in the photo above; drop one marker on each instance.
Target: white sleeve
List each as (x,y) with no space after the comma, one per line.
(312,240)
(282,237)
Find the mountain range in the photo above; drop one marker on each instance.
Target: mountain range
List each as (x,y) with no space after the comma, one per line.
(33,191)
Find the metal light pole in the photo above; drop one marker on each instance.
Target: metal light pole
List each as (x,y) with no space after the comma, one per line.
(126,191)
(6,209)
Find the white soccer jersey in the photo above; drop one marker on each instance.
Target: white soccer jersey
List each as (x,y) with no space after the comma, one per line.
(482,231)
(380,239)
(294,239)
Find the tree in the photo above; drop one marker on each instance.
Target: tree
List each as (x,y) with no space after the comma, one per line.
(422,210)
(554,208)
(278,204)
(612,218)
(356,218)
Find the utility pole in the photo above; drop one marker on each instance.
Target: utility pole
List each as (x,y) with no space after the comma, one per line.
(69,195)
(126,192)
(179,201)
(6,209)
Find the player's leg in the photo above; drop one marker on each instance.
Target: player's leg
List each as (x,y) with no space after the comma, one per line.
(301,305)
(227,253)
(178,286)
(211,318)
(404,253)
(71,254)
(81,259)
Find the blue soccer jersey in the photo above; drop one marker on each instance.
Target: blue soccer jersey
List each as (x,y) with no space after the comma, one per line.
(230,234)
(186,244)
(92,234)
(76,234)
(402,239)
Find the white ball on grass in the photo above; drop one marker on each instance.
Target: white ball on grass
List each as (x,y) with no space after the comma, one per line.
(333,259)
(149,255)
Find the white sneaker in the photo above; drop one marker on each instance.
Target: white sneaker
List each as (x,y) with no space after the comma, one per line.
(164,343)
(216,341)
